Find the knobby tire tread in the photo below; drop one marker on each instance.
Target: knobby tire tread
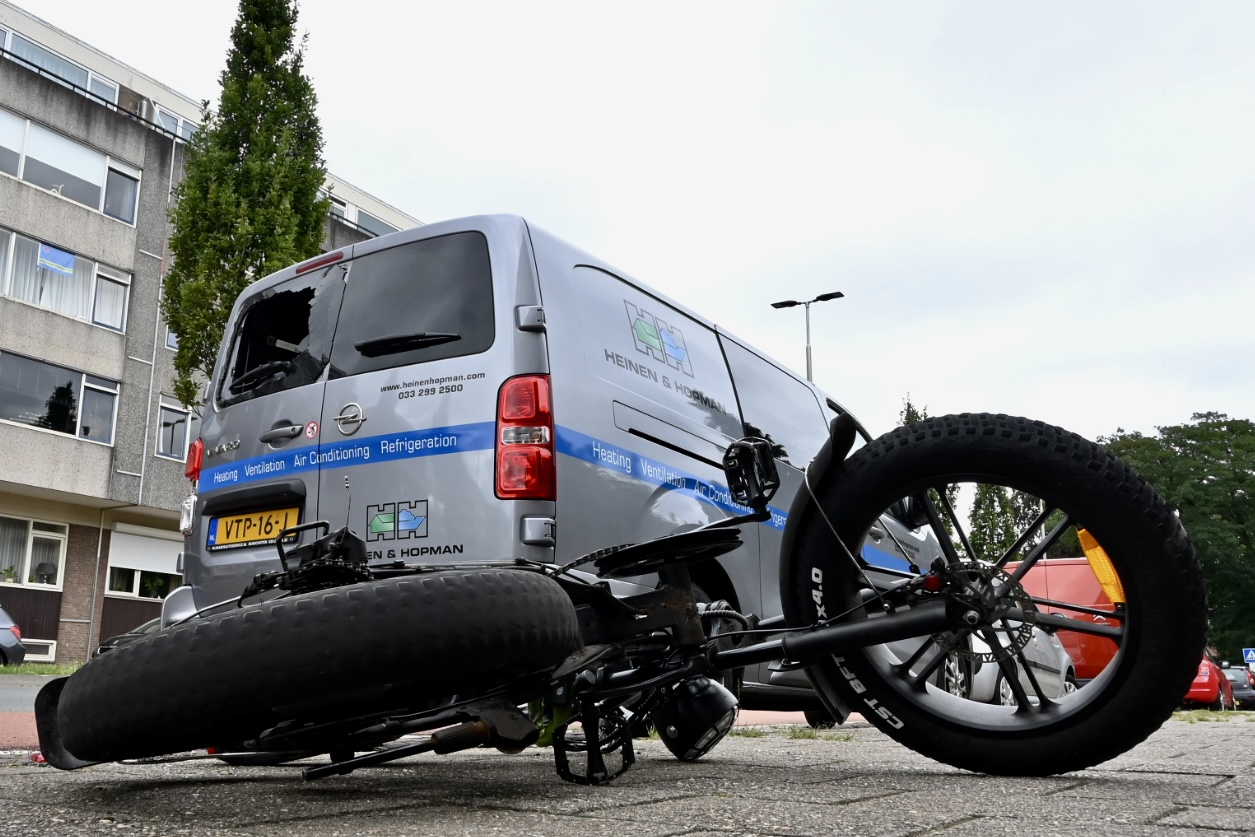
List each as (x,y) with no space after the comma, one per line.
(329,654)
(1168,621)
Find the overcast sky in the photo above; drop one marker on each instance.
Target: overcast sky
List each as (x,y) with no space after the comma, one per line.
(1042,209)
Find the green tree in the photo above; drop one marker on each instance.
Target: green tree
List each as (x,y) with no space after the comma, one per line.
(1206,470)
(249,202)
(910,414)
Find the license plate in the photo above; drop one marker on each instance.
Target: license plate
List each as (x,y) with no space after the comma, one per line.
(253,529)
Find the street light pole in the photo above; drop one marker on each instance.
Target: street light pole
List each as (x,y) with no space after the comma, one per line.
(791,303)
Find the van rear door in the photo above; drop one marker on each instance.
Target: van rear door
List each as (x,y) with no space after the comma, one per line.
(408,418)
(260,471)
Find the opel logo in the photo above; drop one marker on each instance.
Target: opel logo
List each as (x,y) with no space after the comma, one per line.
(350,419)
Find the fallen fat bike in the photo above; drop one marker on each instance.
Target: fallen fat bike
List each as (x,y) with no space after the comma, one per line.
(335,655)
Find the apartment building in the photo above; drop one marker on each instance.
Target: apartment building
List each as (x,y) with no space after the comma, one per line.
(92,442)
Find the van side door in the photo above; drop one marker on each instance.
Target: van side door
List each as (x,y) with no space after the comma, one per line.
(781,408)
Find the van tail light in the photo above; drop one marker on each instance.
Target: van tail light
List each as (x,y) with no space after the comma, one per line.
(187,510)
(525,460)
(195,456)
(17,632)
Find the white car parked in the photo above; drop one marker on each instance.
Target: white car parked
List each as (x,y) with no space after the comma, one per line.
(1051,666)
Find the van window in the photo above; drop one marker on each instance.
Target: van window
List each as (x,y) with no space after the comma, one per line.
(776,406)
(423,301)
(283,338)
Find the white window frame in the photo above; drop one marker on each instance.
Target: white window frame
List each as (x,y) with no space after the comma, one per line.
(173,406)
(137,583)
(127,171)
(109,387)
(106,164)
(117,277)
(137,563)
(99,272)
(172,340)
(33,647)
(184,128)
(92,75)
(23,576)
(104,387)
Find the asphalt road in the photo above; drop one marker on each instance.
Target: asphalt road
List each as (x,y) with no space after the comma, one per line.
(1188,779)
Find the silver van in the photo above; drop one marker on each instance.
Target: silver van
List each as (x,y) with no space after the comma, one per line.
(478,390)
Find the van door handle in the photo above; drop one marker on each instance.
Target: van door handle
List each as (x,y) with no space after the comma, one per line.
(280,433)
(876,532)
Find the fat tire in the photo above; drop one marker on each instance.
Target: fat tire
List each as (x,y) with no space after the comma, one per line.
(1166,627)
(336,653)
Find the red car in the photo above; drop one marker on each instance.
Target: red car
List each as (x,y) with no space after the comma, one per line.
(1210,688)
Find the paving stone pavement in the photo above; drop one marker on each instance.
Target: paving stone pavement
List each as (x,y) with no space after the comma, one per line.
(1188,779)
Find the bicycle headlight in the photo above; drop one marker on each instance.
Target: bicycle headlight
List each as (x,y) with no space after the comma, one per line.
(695,717)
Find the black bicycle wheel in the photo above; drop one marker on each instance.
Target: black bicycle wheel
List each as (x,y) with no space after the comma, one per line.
(897,505)
(319,656)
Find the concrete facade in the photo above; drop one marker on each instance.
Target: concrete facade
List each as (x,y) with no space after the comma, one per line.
(68,491)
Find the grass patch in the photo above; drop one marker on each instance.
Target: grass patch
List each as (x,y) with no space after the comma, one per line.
(837,736)
(1202,716)
(57,669)
(748,732)
(803,733)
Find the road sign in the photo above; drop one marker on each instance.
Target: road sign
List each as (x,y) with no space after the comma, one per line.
(1248,655)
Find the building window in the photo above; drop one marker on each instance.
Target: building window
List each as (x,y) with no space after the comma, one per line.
(52,278)
(104,88)
(184,129)
(12,141)
(32,552)
(373,225)
(141,583)
(100,404)
(67,168)
(121,193)
(63,166)
(55,398)
(111,293)
(62,69)
(172,431)
(172,339)
(143,563)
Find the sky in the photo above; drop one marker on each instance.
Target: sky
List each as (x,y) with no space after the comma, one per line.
(1038,209)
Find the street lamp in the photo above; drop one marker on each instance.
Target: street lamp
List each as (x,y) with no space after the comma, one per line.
(790,303)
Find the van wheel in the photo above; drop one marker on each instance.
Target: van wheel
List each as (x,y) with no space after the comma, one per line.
(361,649)
(819,719)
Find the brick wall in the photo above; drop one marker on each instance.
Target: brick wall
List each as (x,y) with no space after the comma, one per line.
(77,600)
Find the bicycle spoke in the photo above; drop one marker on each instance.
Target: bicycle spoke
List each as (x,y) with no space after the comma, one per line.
(939,529)
(1059,622)
(1040,549)
(1042,700)
(1025,536)
(918,679)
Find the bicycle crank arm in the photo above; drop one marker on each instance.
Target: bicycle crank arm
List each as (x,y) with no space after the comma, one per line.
(807,646)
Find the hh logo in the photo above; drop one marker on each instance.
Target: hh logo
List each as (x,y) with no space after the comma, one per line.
(396,521)
(658,340)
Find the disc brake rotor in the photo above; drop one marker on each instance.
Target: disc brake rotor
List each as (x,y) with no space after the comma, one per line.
(991,592)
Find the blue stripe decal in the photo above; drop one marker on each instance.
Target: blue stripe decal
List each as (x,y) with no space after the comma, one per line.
(885,560)
(622,461)
(384,448)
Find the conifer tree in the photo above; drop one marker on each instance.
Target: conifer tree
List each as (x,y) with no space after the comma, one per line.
(249,202)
